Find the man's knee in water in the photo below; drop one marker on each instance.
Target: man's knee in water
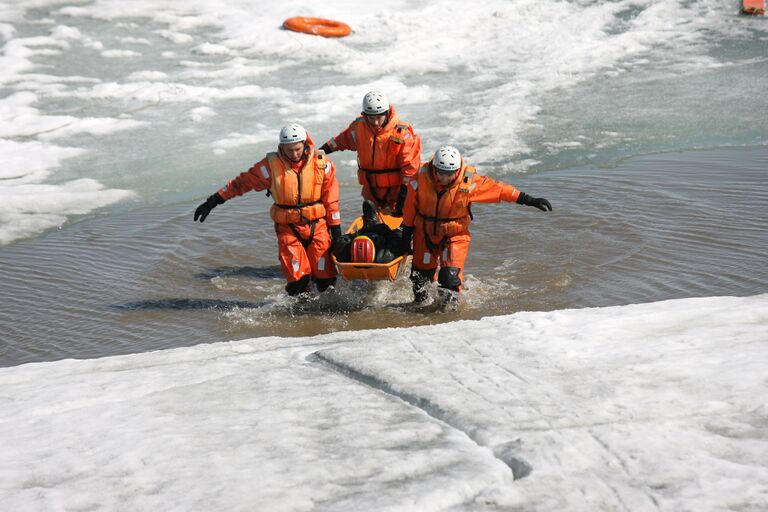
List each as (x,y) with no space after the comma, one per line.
(323,283)
(298,286)
(449,278)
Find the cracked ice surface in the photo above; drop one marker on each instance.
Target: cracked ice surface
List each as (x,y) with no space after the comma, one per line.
(642,407)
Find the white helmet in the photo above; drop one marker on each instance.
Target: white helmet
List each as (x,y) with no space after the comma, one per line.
(292,132)
(375,103)
(447,160)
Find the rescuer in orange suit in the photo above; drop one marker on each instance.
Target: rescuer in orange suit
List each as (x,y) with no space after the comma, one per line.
(437,216)
(302,183)
(388,152)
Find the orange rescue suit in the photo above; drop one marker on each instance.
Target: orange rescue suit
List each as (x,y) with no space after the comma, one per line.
(306,203)
(386,158)
(441,215)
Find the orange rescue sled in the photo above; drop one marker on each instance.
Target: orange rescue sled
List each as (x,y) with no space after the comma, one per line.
(374,271)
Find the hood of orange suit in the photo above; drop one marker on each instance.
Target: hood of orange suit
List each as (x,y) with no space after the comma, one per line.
(392,120)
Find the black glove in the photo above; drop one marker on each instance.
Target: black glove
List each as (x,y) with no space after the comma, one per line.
(337,240)
(325,147)
(335,232)
(539,202)
(204,209)
(405,242)
(401,200)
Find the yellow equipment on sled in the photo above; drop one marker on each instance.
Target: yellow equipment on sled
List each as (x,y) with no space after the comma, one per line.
(374,271)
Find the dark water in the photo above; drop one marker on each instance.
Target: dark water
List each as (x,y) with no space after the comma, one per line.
(654,227)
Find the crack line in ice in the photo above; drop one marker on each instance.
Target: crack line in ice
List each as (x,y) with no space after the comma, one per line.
(520,468)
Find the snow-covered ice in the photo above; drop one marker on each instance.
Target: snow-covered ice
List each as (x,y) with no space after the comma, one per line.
(656,406)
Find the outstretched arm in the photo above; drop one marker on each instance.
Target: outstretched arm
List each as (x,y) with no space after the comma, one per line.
(345,141)
(255,178)
(487,190)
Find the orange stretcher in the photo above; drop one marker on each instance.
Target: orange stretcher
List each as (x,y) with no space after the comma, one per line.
(374,271)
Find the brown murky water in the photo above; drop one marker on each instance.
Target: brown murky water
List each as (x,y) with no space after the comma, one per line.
(655,227)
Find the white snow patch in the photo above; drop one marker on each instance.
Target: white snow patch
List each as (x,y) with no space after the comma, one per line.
(120,54)
(27,206)
(18,118)
(97,127)
(25,162)
(174,92)
(235,140)
(211,49)
(200,114)
(7,31)
(176,37)
(144,76)
(66,32)
(641,407)
(135,40)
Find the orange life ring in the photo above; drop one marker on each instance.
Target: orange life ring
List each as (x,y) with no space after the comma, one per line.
(317,26)
(754,7)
